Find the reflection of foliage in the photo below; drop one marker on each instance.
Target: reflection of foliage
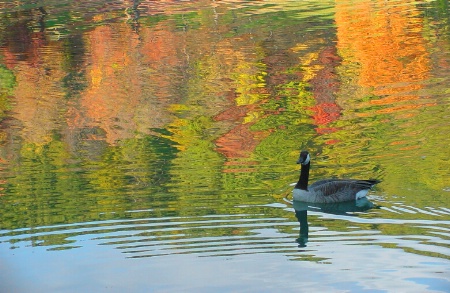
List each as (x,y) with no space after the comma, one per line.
(75,80)
(75,83)
(7,80)
(7,84)
(152,20)
(439,12)
(50,187)
(179,172)
(198,164)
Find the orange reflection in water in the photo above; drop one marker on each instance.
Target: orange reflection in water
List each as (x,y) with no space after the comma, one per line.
(36,64)
(120,98)
(324,87)
(385,39)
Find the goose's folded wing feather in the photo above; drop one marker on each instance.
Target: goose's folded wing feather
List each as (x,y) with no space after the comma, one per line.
(330,187)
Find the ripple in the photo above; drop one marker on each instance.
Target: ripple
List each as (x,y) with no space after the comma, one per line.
(239,234)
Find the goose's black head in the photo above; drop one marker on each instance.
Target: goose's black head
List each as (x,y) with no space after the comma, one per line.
(304,158)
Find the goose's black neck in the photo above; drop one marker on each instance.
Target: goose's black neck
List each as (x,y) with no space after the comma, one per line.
(303,180)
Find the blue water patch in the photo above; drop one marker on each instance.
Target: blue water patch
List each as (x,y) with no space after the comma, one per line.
(435,284)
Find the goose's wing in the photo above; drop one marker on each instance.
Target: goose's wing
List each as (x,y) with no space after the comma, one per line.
(323,182)
(340,187)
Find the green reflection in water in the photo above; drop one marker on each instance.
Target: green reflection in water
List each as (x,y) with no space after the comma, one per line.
(49,185)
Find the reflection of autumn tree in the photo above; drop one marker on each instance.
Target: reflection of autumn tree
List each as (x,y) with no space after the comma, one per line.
(267,85)
(385,61)
(130,80)
(319,66)
(7,84)
(324,87)
(387,42)
(35,62)
(249,81)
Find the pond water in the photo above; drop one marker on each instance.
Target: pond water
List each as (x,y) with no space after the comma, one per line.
(151,146)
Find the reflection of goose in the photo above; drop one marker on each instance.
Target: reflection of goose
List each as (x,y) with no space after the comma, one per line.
(302,217)
(340,208)
(328,190)
(336,208)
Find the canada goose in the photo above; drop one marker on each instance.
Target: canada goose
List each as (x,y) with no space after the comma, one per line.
(328,190)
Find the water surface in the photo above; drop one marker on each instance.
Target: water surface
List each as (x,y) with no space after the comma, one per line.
(152,145)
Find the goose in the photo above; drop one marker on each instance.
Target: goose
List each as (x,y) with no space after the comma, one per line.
(328,190)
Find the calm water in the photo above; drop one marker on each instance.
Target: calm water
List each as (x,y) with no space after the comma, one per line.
(150,146)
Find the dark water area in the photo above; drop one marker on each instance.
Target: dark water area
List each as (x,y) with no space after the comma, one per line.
(152,145)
